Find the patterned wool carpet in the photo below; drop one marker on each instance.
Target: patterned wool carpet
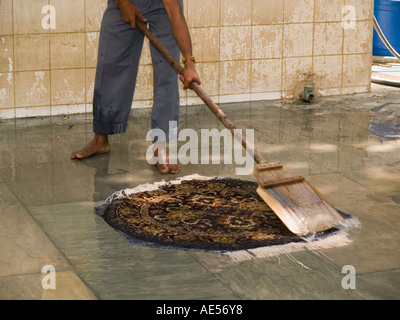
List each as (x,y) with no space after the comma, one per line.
(216,214)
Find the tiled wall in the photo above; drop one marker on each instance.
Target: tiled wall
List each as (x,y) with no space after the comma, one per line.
(247,50)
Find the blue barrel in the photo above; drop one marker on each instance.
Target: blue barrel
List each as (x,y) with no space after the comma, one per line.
(387,13)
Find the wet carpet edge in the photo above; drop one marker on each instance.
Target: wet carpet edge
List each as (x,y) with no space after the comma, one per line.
(242,189)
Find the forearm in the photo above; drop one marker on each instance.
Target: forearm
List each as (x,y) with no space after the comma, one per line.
(180,31)
(179,27)
(182,36)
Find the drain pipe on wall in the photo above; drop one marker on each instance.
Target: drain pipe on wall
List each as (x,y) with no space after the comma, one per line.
(308,94)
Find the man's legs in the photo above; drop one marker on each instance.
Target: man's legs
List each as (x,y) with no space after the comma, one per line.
(118,61)
(166,89)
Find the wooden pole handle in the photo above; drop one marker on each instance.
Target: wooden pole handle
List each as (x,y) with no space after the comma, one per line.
(199,91)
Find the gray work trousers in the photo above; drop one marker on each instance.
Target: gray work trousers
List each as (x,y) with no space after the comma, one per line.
(119,53)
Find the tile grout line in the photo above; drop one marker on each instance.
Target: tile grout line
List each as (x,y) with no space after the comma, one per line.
(85,50)
(13,56)
(214,275)
(313,43)
(386,198)
(342,54)
(282,48)
(59,252)
(50,73)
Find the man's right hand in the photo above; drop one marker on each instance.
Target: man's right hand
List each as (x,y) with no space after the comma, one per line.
(130,12)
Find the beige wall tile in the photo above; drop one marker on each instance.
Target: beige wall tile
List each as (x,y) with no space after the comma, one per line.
(206,43)
(28,16)
(298,11)
(68,109)
(266,75)
(359,40)
(182,95)
(242,97)
(94,14)
(70,15)
(6,17)
(328,10)
(68,86)
(235,77)
(209,75)
(245,49)
(293,73)
(144,83)
(354,90)
(185,8)
(145,58)
(363,8)
(328,91)
(90,77)
(357,70)
(328,71)
(267,12)
(32,52)
(203,13)
(67,50)
(29,112)
(32,88)
(7,113)
(89,108)
(328,38)
(92,46)
(266,96)
(141,104)
(236,12)
(235,43)
(6,90)
(267,41)
(298,40)
(6,53)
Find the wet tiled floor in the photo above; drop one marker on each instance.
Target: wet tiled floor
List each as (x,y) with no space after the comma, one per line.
(348,147)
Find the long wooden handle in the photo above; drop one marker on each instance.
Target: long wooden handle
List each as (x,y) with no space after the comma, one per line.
(199,91)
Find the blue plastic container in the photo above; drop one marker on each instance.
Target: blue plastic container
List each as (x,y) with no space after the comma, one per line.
(387,13)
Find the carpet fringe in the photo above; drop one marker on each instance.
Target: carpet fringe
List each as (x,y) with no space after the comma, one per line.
(124,194)
(338,240)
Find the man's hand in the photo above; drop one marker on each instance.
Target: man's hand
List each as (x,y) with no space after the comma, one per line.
(190,75)
(130,12)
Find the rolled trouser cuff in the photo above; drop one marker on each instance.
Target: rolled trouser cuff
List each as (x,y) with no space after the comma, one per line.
(109,129)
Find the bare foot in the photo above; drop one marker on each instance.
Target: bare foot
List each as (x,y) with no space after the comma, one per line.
(168,168)
(164,166)
(98,145)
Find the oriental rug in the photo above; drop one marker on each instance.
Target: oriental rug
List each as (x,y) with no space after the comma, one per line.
(207,214)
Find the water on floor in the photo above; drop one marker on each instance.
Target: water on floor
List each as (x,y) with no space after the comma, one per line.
(348,147)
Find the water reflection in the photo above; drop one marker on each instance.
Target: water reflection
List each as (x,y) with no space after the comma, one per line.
(362,145)
(385,122)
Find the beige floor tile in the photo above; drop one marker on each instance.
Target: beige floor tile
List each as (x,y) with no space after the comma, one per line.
(24,246)
(68,286)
